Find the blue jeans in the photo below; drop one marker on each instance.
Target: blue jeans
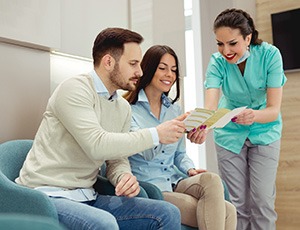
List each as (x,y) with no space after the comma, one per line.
(113,212)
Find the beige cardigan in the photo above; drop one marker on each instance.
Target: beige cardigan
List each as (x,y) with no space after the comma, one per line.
(78,132)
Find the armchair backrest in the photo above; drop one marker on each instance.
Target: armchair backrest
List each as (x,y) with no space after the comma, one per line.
(12,157)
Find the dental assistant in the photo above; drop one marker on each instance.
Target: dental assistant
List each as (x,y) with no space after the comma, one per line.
(247,72)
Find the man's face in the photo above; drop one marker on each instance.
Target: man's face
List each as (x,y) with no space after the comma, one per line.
(127,71)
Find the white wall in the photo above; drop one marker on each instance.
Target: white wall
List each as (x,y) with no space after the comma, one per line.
(160,22)
(81,21)
(24,90)
(32,23)
(28,31)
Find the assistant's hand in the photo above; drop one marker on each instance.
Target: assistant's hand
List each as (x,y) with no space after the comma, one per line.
(246,117)
(197,136)
(193,172)
(170,131)
(127,186)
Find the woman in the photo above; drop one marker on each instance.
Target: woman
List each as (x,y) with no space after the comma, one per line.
(250,73)
(200,197)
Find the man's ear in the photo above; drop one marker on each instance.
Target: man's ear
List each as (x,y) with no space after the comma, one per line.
(108,62)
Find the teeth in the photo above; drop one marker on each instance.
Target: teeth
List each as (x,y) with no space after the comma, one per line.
(167,82)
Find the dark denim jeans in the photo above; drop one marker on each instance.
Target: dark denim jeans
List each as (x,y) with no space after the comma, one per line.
(113,212)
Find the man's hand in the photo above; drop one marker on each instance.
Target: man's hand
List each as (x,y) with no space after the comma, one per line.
(170,131)
(193,172)
(127,186)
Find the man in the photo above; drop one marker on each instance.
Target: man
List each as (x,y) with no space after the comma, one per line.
(87,123)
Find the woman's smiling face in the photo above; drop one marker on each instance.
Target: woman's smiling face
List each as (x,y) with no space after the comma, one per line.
(165,74)
(231,43)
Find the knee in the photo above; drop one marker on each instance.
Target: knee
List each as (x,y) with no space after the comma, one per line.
(231,215)
(93,222)
(109,222)
(170,212)
(230,209)
(261,201)
(104,221)
(211,180)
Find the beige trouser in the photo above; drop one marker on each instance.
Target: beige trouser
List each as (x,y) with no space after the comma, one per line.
(200,199)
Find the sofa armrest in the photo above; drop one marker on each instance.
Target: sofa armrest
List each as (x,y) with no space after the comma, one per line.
(152,190)
(104,187)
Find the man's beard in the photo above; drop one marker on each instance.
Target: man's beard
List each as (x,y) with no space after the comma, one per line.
(118,80)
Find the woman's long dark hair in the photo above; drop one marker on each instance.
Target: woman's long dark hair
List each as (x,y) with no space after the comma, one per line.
(238,19)
(149,65)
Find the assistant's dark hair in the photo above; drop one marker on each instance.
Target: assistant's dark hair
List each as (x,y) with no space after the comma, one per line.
(149,64)
(238,19)
(111,40)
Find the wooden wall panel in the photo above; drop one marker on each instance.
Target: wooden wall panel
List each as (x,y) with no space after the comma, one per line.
(288,176)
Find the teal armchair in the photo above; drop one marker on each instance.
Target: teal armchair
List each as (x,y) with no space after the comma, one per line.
(22,206)
(28,222)
(13,197)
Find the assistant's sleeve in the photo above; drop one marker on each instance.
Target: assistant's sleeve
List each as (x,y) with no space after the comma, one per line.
(214,73)
(276,77)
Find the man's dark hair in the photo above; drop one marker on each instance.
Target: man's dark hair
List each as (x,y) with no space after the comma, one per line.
(111,40)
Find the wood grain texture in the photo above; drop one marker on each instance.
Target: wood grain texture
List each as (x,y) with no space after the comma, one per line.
(288,175)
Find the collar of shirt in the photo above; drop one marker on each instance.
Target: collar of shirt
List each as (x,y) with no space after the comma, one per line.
(166,103)
(100,87)
(165,100)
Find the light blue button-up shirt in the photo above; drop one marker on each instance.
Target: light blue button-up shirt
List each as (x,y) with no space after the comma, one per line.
(157,165)
(263,70)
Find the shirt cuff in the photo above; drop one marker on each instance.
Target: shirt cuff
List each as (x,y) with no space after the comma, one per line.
(154,135)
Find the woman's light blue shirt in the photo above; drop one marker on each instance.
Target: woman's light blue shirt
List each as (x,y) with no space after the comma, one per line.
(263,70)
(157,165)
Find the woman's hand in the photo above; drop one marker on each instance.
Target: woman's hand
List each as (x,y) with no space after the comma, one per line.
(193,172)
(197,136)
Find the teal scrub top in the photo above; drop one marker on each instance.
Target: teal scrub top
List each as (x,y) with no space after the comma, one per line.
(263,70)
